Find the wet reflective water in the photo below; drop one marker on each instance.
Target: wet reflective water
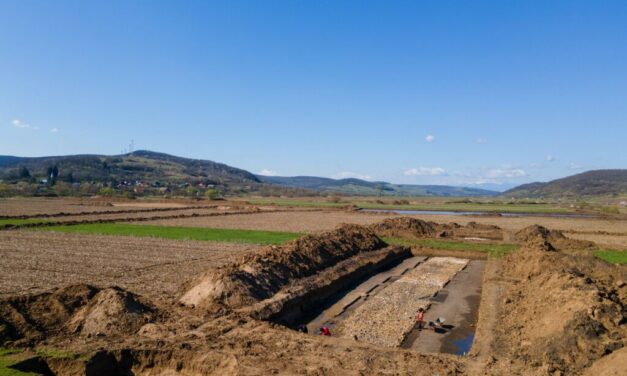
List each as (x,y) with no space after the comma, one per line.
(463,345)
(444,212)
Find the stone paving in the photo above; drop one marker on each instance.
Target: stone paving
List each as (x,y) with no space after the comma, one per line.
(386,318)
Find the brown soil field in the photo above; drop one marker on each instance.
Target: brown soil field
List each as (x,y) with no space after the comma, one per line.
(34,206)
(147,306)
(35,261)
(554,223)
(296,221)
(141,215)
(612,233)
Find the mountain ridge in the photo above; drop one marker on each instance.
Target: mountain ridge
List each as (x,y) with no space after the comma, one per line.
(150,166)
(590,183)
(356,186)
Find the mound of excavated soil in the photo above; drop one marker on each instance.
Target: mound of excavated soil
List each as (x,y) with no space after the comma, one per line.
(74,309)
(405,227)
(261,275)
(539,235)
(112,311)
(30,317)
(561,315)
(534,232)
(472,229)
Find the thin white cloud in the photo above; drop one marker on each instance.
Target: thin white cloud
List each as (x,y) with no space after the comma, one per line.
(20,124)
(350,174)
(425,171)
(549,158)
(266,172)
(505,172)
(575,166)
(430,138)
(482,141)
(54,130)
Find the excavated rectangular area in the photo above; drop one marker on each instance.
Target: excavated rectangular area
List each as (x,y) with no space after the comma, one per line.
(385,318)
(380,309)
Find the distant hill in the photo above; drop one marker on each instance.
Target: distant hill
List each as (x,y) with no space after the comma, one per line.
(590,183)
(139,165)
(366,188)
(159,169)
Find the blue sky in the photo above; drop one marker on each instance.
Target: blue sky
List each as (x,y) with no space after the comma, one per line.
(441,92)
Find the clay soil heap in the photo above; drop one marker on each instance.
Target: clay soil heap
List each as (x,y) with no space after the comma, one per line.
(413,228)
(79,309)
(261,275)
(560,314)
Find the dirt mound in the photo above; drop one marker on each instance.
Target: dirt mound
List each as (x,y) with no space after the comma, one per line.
(405,227)
(560,314)
(535,232)
(471,230)
(28,318)
(111,311)
(261,275)
(78,308)
(538,235)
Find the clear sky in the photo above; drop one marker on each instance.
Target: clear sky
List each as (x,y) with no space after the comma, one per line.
(443,92)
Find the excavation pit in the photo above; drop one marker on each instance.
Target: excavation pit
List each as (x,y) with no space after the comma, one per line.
(379,307)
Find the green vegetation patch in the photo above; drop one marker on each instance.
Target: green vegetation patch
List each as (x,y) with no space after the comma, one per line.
(504,207)
(612,256)
(493,250)
(299,203)
(474,207)
(10,221)
(9,357)
(55,354)
(181,233)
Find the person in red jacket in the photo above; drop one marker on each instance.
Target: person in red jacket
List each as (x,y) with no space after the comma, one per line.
(420,318)
(324,331)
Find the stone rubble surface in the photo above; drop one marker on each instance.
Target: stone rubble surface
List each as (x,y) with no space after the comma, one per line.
(387,317)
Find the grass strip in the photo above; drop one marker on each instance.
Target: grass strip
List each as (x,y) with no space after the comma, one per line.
(493,250)
(499,208)
(296,203)
(55,354)
(180,233)
(455,207)
(7,359)
(612,256)
(11,221)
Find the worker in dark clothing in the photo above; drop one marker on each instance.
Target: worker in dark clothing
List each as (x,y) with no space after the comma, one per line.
(303,329)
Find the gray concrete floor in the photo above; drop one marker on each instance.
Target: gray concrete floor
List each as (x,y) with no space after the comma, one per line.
(458,304)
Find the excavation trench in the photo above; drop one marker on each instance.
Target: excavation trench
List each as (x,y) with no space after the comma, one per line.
(377,304)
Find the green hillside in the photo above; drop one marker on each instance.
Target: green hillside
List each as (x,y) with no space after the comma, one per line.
(367,188)
(587,184)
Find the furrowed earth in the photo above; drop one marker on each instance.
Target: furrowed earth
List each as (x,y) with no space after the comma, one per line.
(517,295)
